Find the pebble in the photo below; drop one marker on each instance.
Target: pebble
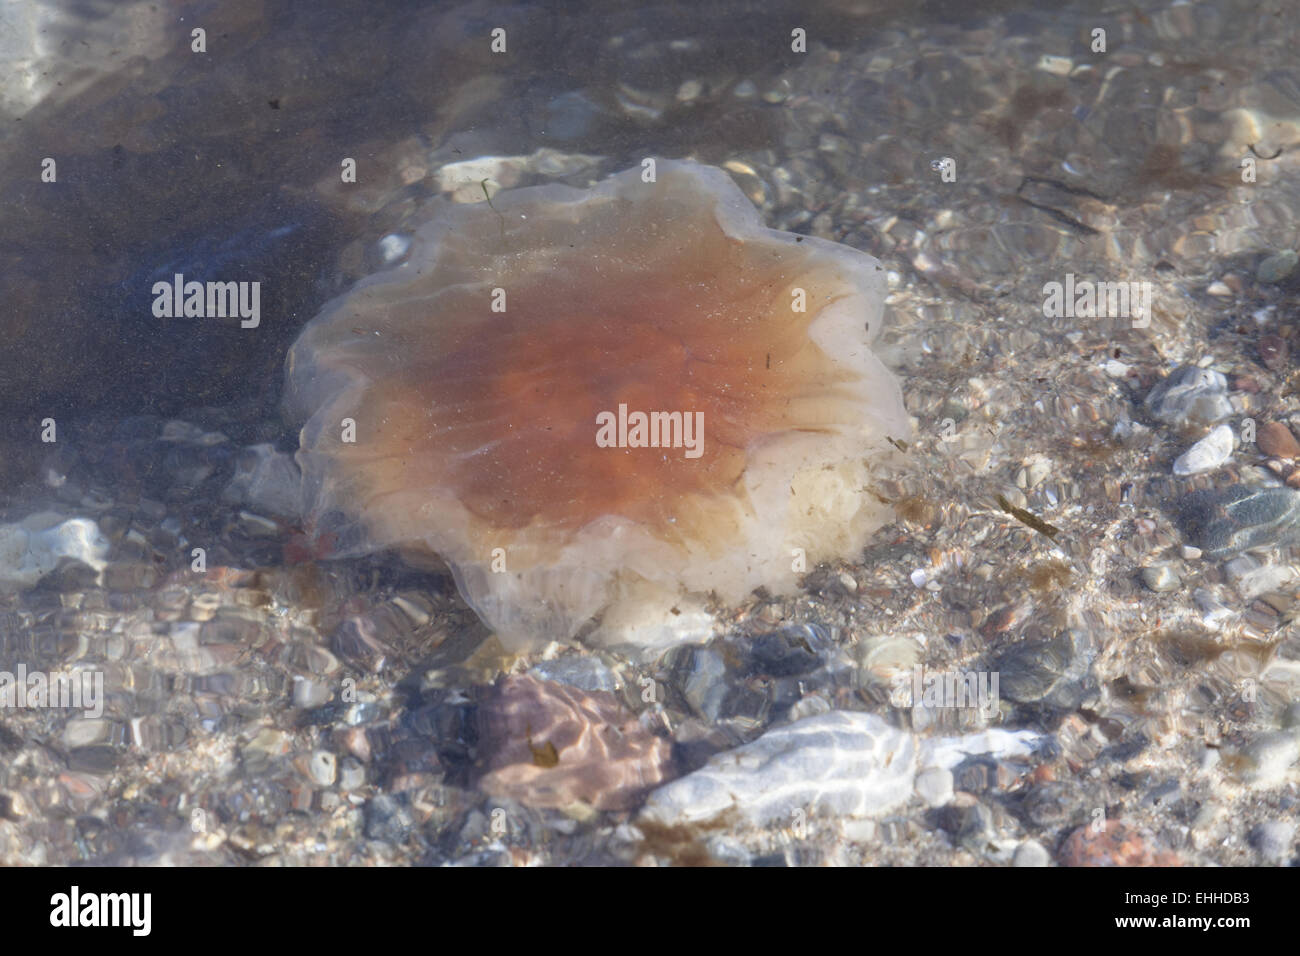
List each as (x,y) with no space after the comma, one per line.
(1276,439)
(1208,454)
(585,672)
(1115,844)
(310,694)
(1213,611)
(1278,266)
(1031,853)
(689,91)
(266,480)
(1161,577)
(975,829)
(934,785)
(392,247)
(842,762)
(704,684)
(1226,521)
(33,547)
(1054,671)
(1267,759)
(84,732)
(789,651)
(1273,352)
(547,744)
(258,753)
(352,774)
(322,767)
(387,820)
(1000,744)
(1190,395)
(1275,840)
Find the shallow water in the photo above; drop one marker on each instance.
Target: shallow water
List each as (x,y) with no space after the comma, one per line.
(266,698)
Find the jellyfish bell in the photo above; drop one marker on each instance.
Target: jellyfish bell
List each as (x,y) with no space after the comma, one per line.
(602,405)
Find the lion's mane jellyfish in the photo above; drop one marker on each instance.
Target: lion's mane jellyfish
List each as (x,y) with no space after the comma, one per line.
(598,406)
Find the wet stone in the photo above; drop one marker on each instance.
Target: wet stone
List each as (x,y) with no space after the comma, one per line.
(267,480)
(1208,454)
(322,767)
(547,744)
(934,785)
(851,764)
(787,652)
(1048,804)
(1278,266)
(1226,521)
(387,819)
(1161,577)
(582,672)
(703,684)
(95,759)
(1273,352)
(1275,840)
(259,752)
(1274,438)
(1267,758)
(310,694)
(1114,844)
(975,828)
(1031,853)
(1190,395)
(1054,672)
(351,774)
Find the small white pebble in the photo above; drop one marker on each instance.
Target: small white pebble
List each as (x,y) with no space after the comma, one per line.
(392,247)
(1209,453)
(1056,65)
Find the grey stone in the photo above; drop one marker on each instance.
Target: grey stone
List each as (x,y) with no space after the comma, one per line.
(33,547)
(1275,840)
(1031,853)
(842,762)
(584,672)
(1278,266)
(268,481)
(1161,577)
(387,820)
(322,766)
(1055,672)
(1269,756)
(1227,521)
(934,785)
(1208,454)
(1190,395)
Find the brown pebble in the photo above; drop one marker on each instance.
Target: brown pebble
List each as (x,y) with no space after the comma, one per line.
(1274,438)
(1293,479)
(1273,352)
(1114,844)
